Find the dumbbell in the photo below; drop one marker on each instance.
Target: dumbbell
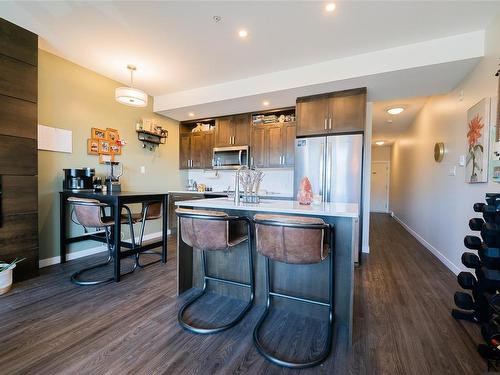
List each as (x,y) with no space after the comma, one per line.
(491,234)
(493,198)
(476,224)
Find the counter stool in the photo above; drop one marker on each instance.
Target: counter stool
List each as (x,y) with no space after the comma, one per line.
(215,231)
(293,240)
(150,211)
(90,213)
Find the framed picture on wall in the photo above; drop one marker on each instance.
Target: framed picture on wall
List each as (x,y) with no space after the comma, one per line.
(478,138)
(112,134)
(115,148)
(103,158)
(92,146)
(97,133)
(104,147)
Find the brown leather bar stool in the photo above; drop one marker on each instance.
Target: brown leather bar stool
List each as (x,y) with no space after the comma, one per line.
(215,231)
(294,240)
(150,211)
(90,213)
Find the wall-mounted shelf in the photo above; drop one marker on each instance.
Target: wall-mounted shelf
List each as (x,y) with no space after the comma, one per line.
(151,140)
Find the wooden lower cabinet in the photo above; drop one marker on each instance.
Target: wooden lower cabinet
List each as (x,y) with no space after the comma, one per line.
(176,197)
(273,146)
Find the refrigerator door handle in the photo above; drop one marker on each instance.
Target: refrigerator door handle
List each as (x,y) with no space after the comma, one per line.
(322,169)
(328,171)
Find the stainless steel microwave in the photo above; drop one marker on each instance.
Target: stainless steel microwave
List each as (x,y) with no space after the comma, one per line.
(230,157)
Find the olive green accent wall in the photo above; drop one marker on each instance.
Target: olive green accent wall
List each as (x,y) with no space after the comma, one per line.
(77,99)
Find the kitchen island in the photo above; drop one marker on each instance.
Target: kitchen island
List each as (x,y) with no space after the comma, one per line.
(309,281)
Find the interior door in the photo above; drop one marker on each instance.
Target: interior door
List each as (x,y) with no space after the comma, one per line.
(310,163)
(379,190)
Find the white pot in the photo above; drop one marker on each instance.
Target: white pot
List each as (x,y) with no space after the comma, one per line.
(6,278)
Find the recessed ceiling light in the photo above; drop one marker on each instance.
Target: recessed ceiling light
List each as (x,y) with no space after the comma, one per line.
(191,114)
(395,110)
(265,102)
(389,121)
(379,143)
(243,33)
(330,7)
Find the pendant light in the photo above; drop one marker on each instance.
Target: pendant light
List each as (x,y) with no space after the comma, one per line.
(129,95)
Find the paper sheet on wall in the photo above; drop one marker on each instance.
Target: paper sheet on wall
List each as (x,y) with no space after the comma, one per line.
(55,139)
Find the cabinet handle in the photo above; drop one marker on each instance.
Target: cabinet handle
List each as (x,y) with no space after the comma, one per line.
(325,123)
(233,140)
(251,162)
(330,123)
(284,162)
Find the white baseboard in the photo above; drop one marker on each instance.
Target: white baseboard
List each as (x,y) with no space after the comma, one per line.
(94,250)
(429,247)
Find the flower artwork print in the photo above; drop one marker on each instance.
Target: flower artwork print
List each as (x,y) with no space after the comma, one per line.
(476,167)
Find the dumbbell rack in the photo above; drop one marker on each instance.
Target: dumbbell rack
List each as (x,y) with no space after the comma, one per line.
(485,263)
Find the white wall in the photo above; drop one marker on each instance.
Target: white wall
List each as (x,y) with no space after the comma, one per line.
(381,153)
(434,206)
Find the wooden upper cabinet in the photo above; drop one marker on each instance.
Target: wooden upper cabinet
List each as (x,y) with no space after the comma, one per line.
(208,146)
(224,132)
(241,130)
(338,112)
(184,150)
(197,150)
(312,116)
(18,43)
(289,132)
(275,146)
(232,131)
(347,113)
(258,147)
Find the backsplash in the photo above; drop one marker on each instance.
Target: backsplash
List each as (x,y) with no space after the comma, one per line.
(275,180)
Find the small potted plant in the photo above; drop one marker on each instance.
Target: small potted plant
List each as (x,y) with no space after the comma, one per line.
(6,275)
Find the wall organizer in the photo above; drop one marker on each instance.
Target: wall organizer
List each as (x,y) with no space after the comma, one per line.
(151,133)
(105,143)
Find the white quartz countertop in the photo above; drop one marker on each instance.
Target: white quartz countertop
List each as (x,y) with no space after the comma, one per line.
(278,207)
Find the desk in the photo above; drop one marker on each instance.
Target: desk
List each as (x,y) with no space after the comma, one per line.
(116,201)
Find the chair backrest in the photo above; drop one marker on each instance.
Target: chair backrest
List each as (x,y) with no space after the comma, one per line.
(88,212)
(204,230)
(153,210)
(291,239)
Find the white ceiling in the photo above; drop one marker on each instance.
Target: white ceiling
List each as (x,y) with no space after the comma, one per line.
(383,130)
(177,46)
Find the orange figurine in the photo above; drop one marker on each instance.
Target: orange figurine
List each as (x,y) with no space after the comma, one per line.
(305,194)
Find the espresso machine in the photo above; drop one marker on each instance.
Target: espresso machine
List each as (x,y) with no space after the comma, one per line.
(113,180)
(78,179)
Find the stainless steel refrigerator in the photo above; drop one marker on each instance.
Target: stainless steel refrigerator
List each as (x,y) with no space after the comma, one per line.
(334,166)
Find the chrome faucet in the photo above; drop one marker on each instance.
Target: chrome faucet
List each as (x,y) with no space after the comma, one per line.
(237,187)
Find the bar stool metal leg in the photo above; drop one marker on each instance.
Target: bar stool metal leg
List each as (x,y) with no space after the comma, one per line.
(141,238)
(269,293)
(206,278)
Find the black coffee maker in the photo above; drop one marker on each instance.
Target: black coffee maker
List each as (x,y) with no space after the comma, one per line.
(79,179)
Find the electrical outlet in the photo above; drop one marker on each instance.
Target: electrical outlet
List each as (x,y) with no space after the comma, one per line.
(143,169)
(461,160)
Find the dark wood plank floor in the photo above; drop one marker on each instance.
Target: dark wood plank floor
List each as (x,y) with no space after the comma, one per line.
(402,323)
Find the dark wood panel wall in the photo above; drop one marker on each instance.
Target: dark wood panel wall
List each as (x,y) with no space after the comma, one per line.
(18,148)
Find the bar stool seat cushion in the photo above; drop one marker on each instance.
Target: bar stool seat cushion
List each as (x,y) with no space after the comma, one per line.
(289,244)
(210,234)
